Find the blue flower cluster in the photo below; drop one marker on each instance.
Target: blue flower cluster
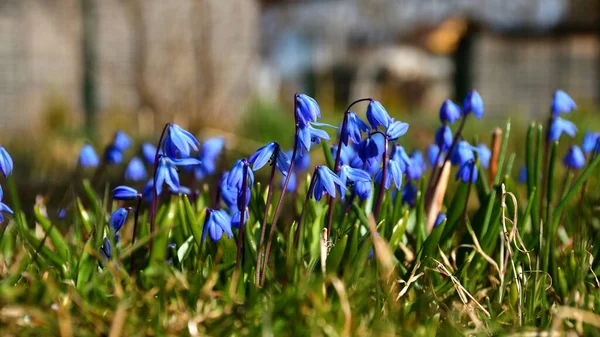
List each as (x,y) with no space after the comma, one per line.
(6,166)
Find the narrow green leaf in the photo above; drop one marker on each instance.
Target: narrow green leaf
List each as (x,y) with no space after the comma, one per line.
(60,246)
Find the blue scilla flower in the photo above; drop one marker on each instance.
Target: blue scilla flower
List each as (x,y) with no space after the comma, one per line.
(348,175)
(117,219)
(473,104)
(377,115)
(574,158)
(106,249)
(560,126)
(309,134)
(467,171)
(409,194)
(484,155)
(121,141)
(392,174)
(440,218)
(326,182)
(266,153)
(363,189)
(182,190)
(562,103)
(6,162)
(354,128)
(523,174)
(62,213)
(433,155)
(292,184)
(401,157)
(449,112)
(135,170)
(240,199)
(417,158)
(217,222)
(590,141)
(147,191)
(347,154)
(125,193)
(179,141)
(414,171)
(462,153)
(113,156)
(307,110)
(88,157)
(235,219)
(167,172)
(301,163)
(3,206)
(208,155)
(149,153)
(236,175)
(396,129)
(443,137)
(368,150)
(229,195)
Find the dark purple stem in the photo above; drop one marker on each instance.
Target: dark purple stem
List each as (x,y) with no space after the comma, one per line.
(135,227)
(154,204)
(383,176)
(308,193)
(266,217)
(242,216)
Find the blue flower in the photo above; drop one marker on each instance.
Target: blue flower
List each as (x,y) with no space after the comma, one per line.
(562,103)
(301,163)
(292,185)
(135,170)
(121,141)
(179,141)
(125,193)
(6,162)
(236,175)
(377,115)
(432,154)
(590,141)
(182,190)
(440,218)
(307,110)
(484,155)
(449,112)
(217,222)
(401,157)
(574,158)
(62,213)
(418,159)
(235,219)
(409,194)
(414,171)
(113,155)
(462,153)
(117,219)
(167,172)
(467,171)
(348,174)
(363,189)
(354,128)
(325,182)
(443,137)
(266,153)
(240,199)
(149,153)
(308,135)
(229,195)
(346,154)
(3,206)
(473,103)
(559,126)
(368,150)
(393,173)
(88,157)
(396,129)
(208,155)
(523,174)
(147,191)
(106,249)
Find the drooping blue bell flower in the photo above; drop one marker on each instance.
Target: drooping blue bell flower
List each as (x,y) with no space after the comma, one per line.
(346,154)
(468,171)
(235,219)
(208,155)
(574,158)
(377,115)
(292,184)
(125,193)
(462,153)
(217,222)
(562,103)
(3,206)
(307,110)
(121,141)
(167,172)
(113,156)
(440,218)
(368,150)
(449,112)
(149,153)
(147,191)
(560,126)
(484,155)
(414,171)
(135,170)
(266,153)
(309,134)
(363,189)
(473,104)
(117,219)
(301,163)
(443,137)
(409,194)
(240,199)
(228,194)
(182,190)
(392,174)
(179,141)
(6,162)
(236,175)
(354,129)
(401,158)
(88,157)
(523,174)
(348,175)
(396,129)
(416,157)
(106,249)
(590,141)
(326,182)
(433,155)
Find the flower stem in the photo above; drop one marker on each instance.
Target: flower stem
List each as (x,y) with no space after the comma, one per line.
(242,216)
(308,193)
(283,190)
(154,205)
(266,217)
(135,226)
(383,176)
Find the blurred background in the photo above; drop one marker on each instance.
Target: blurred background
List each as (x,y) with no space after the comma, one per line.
(76,70)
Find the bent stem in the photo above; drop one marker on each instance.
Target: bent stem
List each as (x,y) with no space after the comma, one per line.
(154,204)
(240,240)
(383,176)
(266,217)
(135,227)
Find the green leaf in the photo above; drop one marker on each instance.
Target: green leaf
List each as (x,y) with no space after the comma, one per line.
(60,246)
(196,225)
(335,256)
(328,155)
(85,217)
(159,250)
(86,266)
